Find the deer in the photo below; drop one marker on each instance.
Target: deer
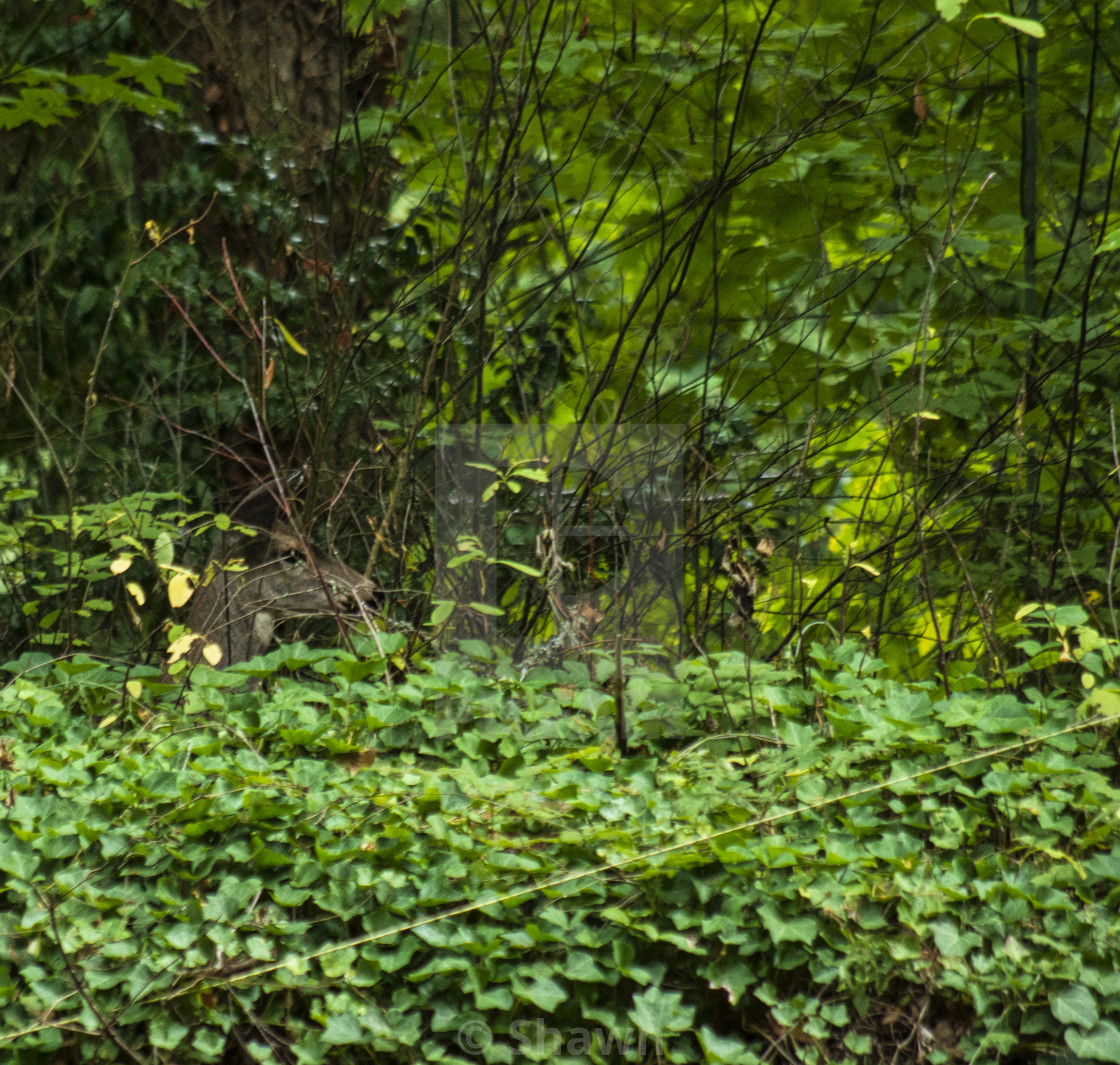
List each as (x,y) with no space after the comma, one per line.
(252,579)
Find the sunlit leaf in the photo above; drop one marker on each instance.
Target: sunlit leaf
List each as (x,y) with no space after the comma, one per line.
(1023,25)
(180,588)
(290,340)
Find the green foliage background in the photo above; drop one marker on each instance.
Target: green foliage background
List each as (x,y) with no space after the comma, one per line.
(863,258)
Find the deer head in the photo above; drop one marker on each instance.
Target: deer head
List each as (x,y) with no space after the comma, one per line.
(250,581)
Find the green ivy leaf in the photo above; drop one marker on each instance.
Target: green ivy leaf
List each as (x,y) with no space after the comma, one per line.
(658,1012)
(783,929)
(344,1030)
(542,992)
(723,1050)
(1101,1044)
(1074,1004)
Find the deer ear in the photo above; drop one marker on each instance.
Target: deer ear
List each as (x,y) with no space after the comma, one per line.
(285,543)
(262,508)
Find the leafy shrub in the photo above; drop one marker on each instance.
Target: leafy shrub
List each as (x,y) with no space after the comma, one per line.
(458,867)
(90,579)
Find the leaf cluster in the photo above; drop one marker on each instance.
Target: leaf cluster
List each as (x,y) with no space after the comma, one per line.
(93,578)
(456,865)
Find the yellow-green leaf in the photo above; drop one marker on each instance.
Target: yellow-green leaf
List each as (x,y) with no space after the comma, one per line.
(290,340)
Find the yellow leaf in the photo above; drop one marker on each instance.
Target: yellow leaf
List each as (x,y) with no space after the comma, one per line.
(137,592)
(212,653)
(120,564)
(179,589)
(181,646)
(134,688)
(866,568)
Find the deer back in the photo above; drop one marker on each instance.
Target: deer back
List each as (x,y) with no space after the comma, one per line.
(250,581)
